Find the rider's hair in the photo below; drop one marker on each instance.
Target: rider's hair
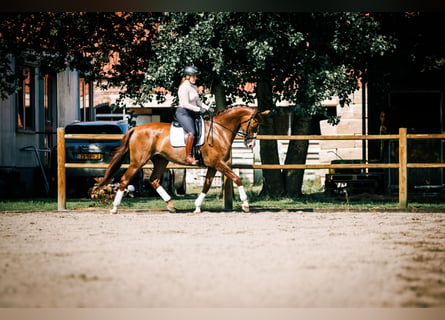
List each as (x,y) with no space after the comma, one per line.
(186,77)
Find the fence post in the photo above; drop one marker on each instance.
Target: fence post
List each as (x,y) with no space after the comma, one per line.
(228,194)
(61,170)
(403,170)
(228,189)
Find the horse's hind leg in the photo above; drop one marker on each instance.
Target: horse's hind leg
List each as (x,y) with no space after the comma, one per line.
(159,166)
(207,183)
(125,180)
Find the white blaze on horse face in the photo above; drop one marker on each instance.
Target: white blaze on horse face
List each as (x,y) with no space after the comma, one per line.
(250,143)
(250,133)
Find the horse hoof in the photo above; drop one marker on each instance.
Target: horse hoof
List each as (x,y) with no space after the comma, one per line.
(171,209)
(113,211)
(245,208)
(197,211)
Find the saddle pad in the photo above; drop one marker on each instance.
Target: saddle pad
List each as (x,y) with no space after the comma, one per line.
(177,136)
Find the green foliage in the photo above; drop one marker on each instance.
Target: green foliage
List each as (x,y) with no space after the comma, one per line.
(307,57)
(213,202)
(302,58)
(84,41)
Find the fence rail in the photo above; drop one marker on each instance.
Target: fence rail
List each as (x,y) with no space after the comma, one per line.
(402,165)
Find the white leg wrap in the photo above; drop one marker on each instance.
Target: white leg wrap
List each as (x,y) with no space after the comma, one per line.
(117,201)
(243,197)
(242,193)
(164,195)
(200,199)
(118,198)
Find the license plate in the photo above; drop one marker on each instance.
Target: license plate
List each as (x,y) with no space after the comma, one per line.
(88,156)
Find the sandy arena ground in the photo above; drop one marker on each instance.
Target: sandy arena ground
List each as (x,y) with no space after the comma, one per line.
(266,259)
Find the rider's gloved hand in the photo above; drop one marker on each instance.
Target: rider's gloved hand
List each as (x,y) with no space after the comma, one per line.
(203,110)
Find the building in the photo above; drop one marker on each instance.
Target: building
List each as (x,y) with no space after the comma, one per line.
(30,119)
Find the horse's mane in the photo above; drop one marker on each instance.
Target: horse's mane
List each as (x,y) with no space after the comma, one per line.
(231,107)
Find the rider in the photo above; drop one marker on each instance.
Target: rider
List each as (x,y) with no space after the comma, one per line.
(189,108)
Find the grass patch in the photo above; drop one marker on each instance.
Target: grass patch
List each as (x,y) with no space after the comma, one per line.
(215,202)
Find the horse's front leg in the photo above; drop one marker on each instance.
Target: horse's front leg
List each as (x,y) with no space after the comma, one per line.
(207,183)
(225,170)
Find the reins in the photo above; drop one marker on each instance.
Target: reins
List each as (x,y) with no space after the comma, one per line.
(243,134)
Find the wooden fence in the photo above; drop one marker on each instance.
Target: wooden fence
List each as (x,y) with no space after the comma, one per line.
(402,165)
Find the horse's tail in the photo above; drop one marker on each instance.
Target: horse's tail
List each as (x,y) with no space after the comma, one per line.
(117,159)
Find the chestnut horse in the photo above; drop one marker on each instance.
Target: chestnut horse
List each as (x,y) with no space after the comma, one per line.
(151,141)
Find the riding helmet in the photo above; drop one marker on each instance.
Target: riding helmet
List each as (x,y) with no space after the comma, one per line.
(190,70)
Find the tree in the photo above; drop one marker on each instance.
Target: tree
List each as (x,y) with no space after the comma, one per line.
(418,62)
(338,49)
(111,47)
(192,39)
(303,58)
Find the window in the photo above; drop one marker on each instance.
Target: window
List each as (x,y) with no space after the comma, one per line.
(25,100)
(49,106)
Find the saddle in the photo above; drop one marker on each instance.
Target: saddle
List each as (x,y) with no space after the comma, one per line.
(177,133)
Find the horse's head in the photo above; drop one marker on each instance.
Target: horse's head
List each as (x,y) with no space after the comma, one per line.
(250,127)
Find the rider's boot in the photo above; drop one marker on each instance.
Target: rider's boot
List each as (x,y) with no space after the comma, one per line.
(189,159)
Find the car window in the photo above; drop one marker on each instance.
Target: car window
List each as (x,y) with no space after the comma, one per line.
(97,129)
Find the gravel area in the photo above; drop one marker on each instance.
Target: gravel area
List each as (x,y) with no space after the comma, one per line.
(283,259)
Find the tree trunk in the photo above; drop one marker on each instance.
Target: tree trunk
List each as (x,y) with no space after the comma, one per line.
(220,95)
(296,154)
(272,179)
(221,103)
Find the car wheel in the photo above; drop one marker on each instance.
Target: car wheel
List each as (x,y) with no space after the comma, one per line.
(78,188)
(167,181)
(179,182)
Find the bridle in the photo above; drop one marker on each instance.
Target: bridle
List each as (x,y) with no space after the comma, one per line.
(246,134)
(243,134)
